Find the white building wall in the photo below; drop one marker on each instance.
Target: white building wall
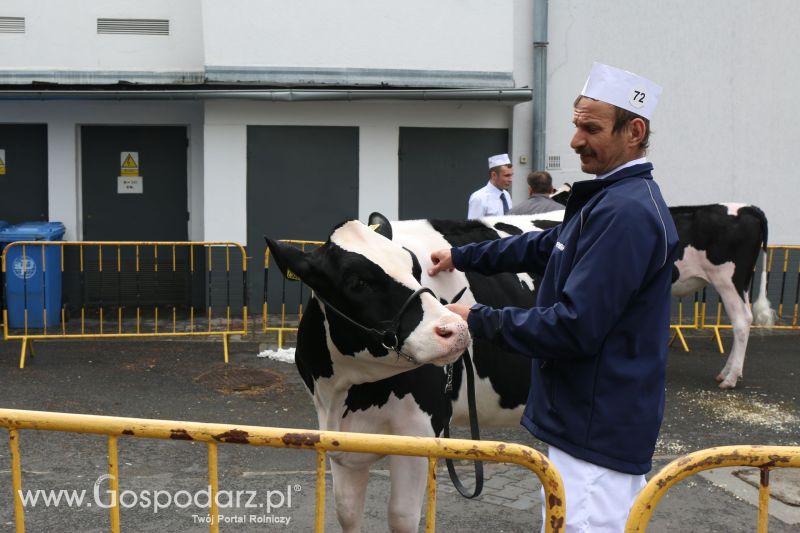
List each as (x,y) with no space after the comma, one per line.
(726,125)
(379,123)
(724,130)
(466,35)
(63,120)
(61,36)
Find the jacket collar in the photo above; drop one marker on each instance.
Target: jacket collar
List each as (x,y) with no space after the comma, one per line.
(582,191)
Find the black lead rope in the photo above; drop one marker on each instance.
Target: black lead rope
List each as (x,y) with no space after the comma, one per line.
(474,433)
(474,430)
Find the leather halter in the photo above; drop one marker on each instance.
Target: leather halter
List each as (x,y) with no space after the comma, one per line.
(388,336)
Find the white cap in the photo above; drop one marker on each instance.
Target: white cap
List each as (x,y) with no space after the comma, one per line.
(623,89)
(498,160)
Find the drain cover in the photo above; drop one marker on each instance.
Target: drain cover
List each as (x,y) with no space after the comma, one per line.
(229,379)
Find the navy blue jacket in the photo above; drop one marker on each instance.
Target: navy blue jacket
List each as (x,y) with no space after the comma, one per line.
(599,332)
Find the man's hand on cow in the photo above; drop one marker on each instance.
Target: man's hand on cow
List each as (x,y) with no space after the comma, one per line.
(461,310)
(441,260)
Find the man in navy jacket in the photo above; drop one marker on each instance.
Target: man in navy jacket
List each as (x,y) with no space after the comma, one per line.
(598,335)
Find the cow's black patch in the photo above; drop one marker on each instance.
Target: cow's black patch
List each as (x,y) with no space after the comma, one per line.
(725,238)
(508,228)
(363,292)
(425,384)
(461,232)
(416,268)
(545,224)
(561,197)
(508,372)
(312,357)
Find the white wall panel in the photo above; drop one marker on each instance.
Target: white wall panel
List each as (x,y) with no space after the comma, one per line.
(725,128)
(62,36)
(465,35)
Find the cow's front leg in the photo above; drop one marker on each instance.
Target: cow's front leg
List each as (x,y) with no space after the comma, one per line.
(408,488)
(349,492)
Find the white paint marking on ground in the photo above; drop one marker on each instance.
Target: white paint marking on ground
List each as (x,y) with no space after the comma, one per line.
(284,355)
(724,478)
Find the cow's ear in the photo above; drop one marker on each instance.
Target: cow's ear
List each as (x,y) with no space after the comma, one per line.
(293,263)
(380,224)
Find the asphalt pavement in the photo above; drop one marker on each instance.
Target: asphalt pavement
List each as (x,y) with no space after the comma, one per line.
(187,380)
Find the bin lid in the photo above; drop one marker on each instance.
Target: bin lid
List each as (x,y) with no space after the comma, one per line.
(33,231)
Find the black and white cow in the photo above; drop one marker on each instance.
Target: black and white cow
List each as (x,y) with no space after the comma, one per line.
(361,280)
(360,276)
(721,244)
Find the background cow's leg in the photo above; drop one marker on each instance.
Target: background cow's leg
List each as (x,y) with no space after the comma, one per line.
(408,489)
(741,317)
(349,491)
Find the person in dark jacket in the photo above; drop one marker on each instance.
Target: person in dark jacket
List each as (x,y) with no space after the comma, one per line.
(540,187)
(598,334)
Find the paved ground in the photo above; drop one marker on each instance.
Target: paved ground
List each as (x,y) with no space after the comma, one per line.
(187,381)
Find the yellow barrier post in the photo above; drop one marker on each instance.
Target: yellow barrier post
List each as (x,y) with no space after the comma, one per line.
(213,483)
(113,472)
(16,480)
(430,511)
(319,508)
(319,441)
(763,457)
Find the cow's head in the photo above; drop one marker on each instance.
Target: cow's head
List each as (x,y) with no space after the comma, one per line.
(365,282)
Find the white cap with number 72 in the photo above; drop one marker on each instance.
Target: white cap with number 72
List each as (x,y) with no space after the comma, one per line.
(623,89)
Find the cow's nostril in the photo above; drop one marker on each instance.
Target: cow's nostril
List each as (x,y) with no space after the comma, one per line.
(444,332)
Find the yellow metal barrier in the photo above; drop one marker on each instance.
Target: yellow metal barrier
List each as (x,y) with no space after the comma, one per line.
(783,262)
(319,441)
(765,458)
(283,324)
(148,273)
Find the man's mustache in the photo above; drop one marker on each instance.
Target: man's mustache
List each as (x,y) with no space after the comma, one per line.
(584,151)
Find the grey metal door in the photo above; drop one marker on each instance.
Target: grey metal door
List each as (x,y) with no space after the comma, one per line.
(154,210)
(157,213)
(23,172)
(301,182)
(440,167)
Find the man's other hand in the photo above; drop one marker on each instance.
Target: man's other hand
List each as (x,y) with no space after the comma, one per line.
(441,260)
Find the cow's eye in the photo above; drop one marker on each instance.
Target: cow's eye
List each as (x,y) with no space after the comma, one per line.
(357,284)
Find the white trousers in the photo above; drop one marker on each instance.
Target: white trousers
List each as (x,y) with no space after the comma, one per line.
(598,499)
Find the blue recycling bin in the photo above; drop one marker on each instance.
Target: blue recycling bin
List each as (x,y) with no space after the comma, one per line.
(33,274)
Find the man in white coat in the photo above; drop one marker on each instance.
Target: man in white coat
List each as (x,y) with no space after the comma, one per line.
(493,199)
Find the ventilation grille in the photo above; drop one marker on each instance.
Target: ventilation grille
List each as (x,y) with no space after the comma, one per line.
(12,25)
(554,162)
(133,26)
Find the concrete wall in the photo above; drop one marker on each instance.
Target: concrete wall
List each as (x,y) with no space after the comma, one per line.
(725,128)
(63,120)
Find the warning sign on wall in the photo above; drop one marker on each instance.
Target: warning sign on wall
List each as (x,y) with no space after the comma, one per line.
(2,162)
(130,185)
(129,163)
